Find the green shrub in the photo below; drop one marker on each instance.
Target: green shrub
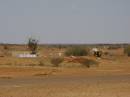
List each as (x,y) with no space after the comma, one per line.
(113,47)
(76,51)
(56,61)
(127,50)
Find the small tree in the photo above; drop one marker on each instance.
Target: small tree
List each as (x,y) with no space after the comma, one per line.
(33,45)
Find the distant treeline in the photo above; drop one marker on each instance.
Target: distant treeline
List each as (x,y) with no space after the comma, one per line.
(110,46)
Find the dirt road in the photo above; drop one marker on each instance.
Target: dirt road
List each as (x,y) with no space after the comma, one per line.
(66,86)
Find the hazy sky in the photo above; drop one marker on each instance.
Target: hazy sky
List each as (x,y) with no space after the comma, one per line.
(65,21)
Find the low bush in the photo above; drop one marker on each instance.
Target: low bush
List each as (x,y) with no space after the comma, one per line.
(88,62)
(41,63)
(76,51)
(127,50)
(56,61)
(6,47)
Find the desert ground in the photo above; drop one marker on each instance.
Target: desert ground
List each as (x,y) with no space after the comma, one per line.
(36,77)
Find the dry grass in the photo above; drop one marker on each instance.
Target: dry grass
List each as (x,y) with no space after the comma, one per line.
(68,89)
(20,68)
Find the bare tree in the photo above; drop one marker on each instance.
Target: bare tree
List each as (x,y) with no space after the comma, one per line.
(33,45)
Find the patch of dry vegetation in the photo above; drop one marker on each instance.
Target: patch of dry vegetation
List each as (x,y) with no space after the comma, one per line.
(56,61)
(76,51)
(127,50)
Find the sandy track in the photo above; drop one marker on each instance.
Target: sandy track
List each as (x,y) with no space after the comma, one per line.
(66,86)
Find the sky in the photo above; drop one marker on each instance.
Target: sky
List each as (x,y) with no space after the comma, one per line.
(65,21)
